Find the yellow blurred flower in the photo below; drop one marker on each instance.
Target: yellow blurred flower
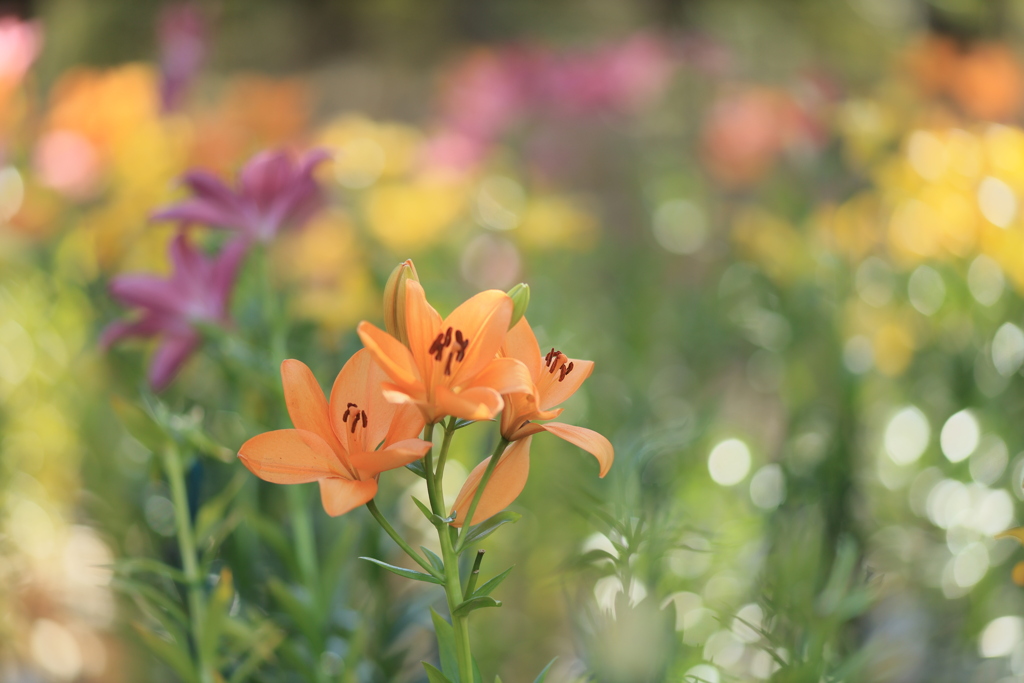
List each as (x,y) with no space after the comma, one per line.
(408,216)
(556,222)
(366,151)
(324,264)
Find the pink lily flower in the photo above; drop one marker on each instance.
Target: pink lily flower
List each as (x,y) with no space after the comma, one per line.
(198,291)
(274,192)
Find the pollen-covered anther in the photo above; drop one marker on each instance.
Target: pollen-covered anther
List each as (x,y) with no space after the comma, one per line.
(357,416)
(564,370)
(443,341)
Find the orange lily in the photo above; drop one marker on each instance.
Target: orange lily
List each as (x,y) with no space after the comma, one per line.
(556,377)
(334,443)
(450,366)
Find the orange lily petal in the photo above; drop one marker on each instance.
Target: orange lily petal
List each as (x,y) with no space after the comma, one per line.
(506,483)
(359,382)
(476,403)
(289,456)
(422,323)
(305,400)
(483,319)
(397,455)
(390,354)
(521,343)
(341,495)
(587,439)
(506,376)
(552,392)
(407,424)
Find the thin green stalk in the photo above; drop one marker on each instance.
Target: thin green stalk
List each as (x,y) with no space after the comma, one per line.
(436,504)
(187,547)
(495,458)
(452,577)
(442,458)
(474,575)
(273,310)
(397,538)
(453,590)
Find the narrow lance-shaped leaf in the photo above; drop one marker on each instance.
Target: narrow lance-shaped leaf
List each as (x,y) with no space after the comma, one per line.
(446,646)
(435,561)
(488,587)
(171,653)
(433,675)
(484,529)
(542,676)
(401,571)
(478,602)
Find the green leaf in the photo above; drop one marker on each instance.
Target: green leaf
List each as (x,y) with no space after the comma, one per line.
(446,646)
(301,612)
(478,602)
(497,679)
(171,653)
(214,510)
(460,423)
(144,565)
(272,535)
(154,596)
(407,573)
(436,520)
(417,468)
(488,587)
(481,531)
(433,675)
(139,424)
(268,638)
(217,613)
(544,672)
(435,561)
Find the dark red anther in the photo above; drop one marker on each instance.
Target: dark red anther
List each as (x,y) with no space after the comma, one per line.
(448,338)
(547,358)
(437,347)
(355,422)
(344,418)
(564,370)
(448,365)
(554,362)
(363,415)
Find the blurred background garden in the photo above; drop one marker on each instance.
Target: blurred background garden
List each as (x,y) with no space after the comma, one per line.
(789,233)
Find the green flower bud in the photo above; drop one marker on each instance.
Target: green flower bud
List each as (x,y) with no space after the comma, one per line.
(394,300)
(520,300)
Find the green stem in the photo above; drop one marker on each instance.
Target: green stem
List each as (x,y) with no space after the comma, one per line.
(397,538)
(452,577)
(187,546)
(442,458)
(453,590)
(495,458)
(436,506)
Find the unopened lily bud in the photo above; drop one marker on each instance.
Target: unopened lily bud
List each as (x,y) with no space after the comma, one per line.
(394,300)
(520,300)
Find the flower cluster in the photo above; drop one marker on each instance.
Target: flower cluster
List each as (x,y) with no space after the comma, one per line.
(274,192)
(478,363)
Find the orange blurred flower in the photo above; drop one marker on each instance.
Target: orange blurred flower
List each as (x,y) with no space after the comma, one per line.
(985,79)
(555,377)
(333,442)
(450,366)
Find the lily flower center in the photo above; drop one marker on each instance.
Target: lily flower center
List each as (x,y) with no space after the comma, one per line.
(456,353)
(358,416)
(556,360)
